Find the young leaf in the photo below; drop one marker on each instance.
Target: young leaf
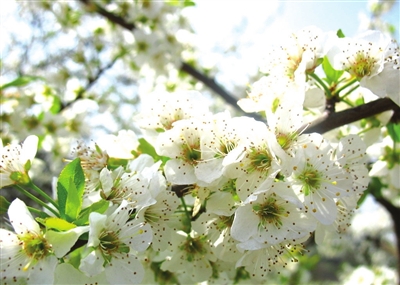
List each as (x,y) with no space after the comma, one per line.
(20,81)
(340,33)
(99,207)
(4,204)
(146,147)
(394,131)
(70,186)
(57,224)
(332,75)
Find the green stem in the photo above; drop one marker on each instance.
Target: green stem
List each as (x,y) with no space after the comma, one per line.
(349,92)
(37,200)
(322,83)
(186,210)
(351,82)
(34,210)
(347,102)
(43,194)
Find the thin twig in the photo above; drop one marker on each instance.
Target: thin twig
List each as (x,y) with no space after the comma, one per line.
(185,67)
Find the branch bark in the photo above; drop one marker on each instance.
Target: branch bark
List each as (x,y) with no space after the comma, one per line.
(330,121)
(91,81)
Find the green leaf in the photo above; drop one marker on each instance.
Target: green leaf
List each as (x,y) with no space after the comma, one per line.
(114,163)
(332,75)
(56,224)
(70,186)
(375,187)
(362,198)
(394,131)
(188,3)
(99,207)
(20,81)
(56,106)
(146,147)
(4,204)
(340,33)
(74,258)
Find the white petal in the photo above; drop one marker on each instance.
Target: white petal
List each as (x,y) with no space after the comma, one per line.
(209,171)
(125,270)
(245,223)
(21,219)
(65,273)
(29,149)
(323,211)
(92,264)
(61,242)
(180,173)
(106,180)
(138,237)
(97,223)
(43,271)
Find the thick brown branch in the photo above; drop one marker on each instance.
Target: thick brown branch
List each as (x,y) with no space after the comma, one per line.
(330,121)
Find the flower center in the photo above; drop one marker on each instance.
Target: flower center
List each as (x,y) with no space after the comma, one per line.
(362,65)
(193,247)
(260,160)
(286,140)
(270,212)
(150,216)
(225,222)
(225,148)
(36,248)
(191,153)
(110,243)
(311,179)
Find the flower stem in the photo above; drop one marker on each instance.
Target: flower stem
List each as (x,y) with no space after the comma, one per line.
(186,212)
(43,194)
(349,83)
(37,200)
(322,83)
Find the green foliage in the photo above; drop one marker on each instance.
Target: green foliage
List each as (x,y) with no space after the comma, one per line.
(4,204)
(362,198)
(184,3)
(340,33)
(375,186)
(20,81)
(147,148)
(394,131)
(70,186)
(99,207)
(332,75)
(56,224)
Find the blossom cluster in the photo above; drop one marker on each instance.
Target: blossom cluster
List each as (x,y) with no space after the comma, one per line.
(202,196)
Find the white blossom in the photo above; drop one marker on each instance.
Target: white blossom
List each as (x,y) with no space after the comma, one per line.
(113,244)
(28,254)
(16,160)
(318,181)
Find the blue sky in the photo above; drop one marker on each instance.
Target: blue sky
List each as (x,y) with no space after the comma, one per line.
(234,33)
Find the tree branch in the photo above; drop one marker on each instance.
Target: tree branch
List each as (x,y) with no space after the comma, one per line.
(91,81)
(210,83)
(94,7)
(185,67)
(330,121)
(395,215)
